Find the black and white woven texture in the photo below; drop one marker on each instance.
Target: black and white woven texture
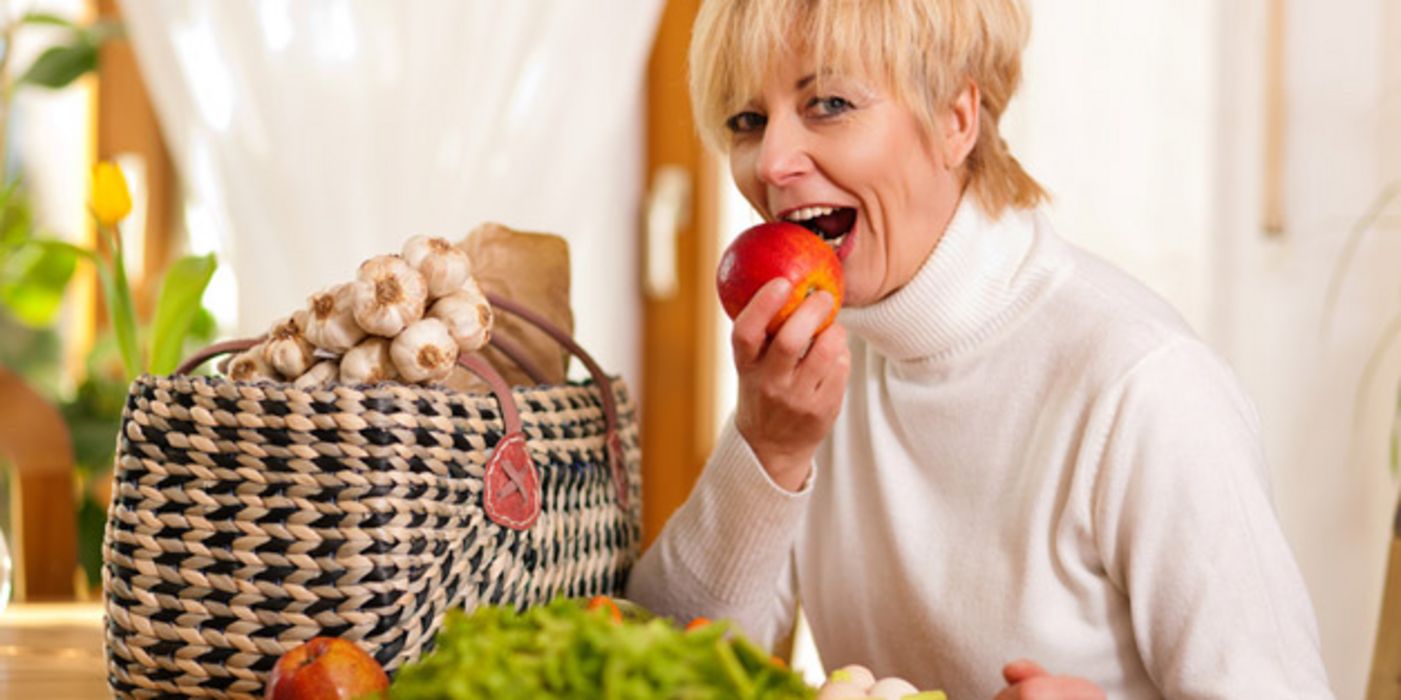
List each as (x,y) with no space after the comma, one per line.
(250,517)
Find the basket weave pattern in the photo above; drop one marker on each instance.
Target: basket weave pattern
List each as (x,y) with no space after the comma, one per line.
(248,518)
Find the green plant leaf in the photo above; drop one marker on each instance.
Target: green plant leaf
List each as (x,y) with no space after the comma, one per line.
(177,308)
(61,65)
(32,353)
(35,277)
(204,327)
(121,313)
(46,18)
(92,522)
(94,441)
(16,222)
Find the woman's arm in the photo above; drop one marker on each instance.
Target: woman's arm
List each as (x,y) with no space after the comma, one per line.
(1186,530)
(727,552)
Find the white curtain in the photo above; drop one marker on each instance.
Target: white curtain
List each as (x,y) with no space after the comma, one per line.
(314,133)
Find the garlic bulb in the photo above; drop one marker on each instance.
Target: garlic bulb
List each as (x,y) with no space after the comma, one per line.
(320,374)
(368,363)
(425,351)
(467,315)
(891,688)
(444,266)
(330,323)
(287,349)
(389,295)
(854,673)
(249,366)
(841,690)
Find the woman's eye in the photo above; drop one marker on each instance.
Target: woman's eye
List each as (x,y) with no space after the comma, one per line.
(829,106)
(744,122)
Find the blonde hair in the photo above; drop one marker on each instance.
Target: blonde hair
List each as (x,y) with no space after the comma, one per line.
(924,50)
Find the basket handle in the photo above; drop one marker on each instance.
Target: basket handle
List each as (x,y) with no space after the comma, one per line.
(511,492)
(601,380)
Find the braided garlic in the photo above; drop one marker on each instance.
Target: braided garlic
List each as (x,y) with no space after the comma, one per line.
(249,366)
(330,323)
(467,314)
(424,352)
(287,349)
(389,295)
(445,267)
(368,363)
(322,373)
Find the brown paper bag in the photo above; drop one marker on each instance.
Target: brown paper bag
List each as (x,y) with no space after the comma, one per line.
(531,269)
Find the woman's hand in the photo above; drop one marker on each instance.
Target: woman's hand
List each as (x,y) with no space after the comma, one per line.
(1028,681)
(790,385)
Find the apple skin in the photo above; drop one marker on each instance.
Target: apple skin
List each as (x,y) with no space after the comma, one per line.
(326,668)
(778,249)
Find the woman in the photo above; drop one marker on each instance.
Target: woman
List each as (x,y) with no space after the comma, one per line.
(1005,449)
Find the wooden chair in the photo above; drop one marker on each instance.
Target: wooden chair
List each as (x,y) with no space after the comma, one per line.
(34,438)
(1385,681)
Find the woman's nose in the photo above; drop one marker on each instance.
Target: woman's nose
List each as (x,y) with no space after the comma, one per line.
(782,153)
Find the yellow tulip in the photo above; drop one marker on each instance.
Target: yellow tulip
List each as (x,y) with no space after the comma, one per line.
(111,201)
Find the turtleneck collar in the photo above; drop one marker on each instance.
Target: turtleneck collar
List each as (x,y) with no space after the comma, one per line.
(981,274)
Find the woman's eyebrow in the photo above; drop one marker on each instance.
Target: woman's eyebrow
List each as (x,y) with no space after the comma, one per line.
(807,80)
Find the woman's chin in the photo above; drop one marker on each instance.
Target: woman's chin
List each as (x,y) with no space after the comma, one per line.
(856,297)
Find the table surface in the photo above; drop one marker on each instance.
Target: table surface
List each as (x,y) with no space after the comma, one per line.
(52,651)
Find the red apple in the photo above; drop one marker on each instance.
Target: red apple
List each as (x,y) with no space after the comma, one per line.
(326,668)
(778,249)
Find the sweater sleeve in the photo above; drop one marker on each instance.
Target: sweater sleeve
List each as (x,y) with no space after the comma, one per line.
(1186,530)
(727,552)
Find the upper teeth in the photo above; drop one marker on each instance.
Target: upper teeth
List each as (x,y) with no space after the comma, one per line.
(809,213)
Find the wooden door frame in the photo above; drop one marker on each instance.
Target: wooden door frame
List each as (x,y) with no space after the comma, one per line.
(678,332)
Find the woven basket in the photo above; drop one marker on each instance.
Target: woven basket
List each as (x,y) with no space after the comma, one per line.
(248,518)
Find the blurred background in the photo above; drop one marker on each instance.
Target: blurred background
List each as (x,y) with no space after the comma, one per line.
(1242,158)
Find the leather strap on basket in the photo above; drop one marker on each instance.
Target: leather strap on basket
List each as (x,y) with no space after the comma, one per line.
(511,491)
(616,463)
(511,485)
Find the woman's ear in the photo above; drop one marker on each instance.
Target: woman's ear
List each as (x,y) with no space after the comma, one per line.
(960,124)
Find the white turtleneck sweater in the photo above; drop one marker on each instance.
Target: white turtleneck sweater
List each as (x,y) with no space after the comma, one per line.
(1035,458)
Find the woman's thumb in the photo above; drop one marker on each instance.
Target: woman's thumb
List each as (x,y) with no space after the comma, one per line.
(1020,670)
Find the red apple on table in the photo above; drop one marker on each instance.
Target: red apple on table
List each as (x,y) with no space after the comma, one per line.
(778,249)
(326,668)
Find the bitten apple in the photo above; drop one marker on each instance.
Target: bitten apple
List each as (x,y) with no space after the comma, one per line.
(326,668)
(778,249)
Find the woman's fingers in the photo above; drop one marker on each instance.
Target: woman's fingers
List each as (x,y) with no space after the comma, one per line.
(793,339)
(750,333)
(791,383)
(1026,680)
(827,362)
(1020,670)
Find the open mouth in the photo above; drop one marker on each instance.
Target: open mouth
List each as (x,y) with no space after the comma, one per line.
(831,223)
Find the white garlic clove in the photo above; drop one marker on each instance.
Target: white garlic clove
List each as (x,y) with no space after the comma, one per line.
(891,688)
(854,673)
(287,349)
(320,374)
(424,352)
(841,690)
(389,295)
(330,322)
(444,266)
(467,314)
(368,363)
(249,366)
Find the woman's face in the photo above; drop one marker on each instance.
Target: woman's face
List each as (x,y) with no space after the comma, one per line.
(850,163)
